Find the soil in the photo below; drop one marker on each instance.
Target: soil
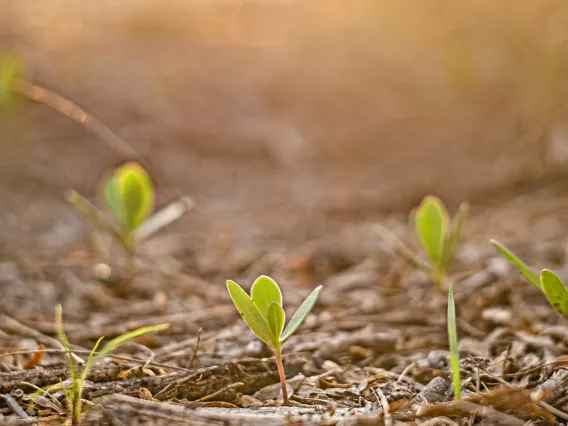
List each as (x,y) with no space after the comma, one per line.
(374,350)
(290,174)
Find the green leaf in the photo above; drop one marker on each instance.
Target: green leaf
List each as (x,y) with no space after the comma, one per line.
(301,314)
(116,342)
(129,193)
(555,291)
(45,392)
(113,201)
(10,69)
(264,291)
(517,263)
(431,225)
(455,235)
(136,192)
(454,351)
(250,313)
(276,318)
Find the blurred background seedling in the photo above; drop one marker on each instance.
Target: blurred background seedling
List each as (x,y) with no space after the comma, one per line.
(438,236)
(10,68)
(73,389)
(263,313)
(129,195)
(547,282)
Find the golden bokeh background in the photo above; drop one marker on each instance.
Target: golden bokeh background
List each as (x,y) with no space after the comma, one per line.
(293,106)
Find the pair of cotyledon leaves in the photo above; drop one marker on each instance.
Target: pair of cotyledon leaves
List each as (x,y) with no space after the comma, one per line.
(432,225)
(263,312)
(547,282)
(129,193)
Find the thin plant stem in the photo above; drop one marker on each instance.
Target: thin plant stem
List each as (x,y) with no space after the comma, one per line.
(437,277)
(282,375)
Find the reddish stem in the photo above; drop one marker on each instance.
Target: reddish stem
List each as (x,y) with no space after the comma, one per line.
(282,375)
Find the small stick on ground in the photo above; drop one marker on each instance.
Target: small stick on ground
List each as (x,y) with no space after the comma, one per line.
(382,399)
(15,407)
(16,327)
(220,391)
(197,340)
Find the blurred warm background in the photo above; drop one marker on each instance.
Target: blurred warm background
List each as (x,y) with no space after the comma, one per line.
(273,112)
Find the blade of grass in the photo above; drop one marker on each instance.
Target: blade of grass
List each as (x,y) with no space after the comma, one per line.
(64,341)
(453,338)
(73,396)
(47,392)
(517,263)
(117,341)
(89,362)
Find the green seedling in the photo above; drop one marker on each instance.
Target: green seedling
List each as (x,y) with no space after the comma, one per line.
(548,282)
(453,339)
(263,313)
(10,69)
(129,196)
(74,389)
(438,236)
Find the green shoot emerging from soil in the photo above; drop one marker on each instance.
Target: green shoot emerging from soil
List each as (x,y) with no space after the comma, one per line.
(263,313)
(74,391)
(439,237)
(10,69)
(129,194)
(548,282)
(453,339)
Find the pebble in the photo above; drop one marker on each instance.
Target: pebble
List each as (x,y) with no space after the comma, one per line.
(497,315)
(468,254)
(9,271)
(499,267)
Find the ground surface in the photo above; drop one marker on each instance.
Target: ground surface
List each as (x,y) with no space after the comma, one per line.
(374,351)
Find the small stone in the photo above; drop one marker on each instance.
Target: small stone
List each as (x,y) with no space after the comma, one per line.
(498,266)
(9,271)
(497,315)
(468,253)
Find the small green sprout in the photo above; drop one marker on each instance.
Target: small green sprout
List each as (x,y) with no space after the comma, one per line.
(453,339)
(10,69)
(129,195)
(438,236)
(263,313)
(74,391)
(548,282)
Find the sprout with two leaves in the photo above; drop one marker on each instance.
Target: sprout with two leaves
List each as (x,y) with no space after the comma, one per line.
(263,313)
(438,235)
(548,282)
(129,195)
